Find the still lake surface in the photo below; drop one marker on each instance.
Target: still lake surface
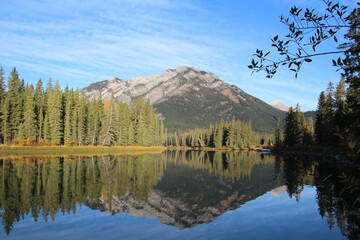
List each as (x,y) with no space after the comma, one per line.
(178,195)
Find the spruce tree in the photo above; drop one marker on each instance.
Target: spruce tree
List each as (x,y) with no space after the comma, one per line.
(75,116)
(340,119)
(108,127)
(95,118)
(29,113)
(69,108)
(294,127)
(5,126)
(218,138)
(124,124)
(321,121)
(15,105)
(352,73)
(55,114)
(308,135)
(151,124)
(2,85)
(82,119)
(40,104)
(2,101)
(138,119)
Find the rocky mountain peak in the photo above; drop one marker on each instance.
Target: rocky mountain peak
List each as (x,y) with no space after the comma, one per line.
(156,88)
(279,105)
(189,97)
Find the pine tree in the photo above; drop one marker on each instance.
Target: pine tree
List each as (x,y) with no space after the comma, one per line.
(75,117)
(69,108)
(82,119)
(47,134)
(330,113)
(2,101)
(29,113)
(5,128)
(352,73)
(108,127)
(138,119)
(294,127)
(150,123)
(340,119)
(55,113)
(218,138)
(95,117)
(40,104)
(308,135)
(321,122)
(2,85)
(15,105)
(124,124)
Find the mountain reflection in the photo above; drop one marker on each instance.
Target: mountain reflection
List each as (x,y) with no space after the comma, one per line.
(180,188)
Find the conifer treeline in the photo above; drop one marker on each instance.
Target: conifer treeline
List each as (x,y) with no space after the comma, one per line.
(232,134)
(335,126)
(298,130)
(333,115)
(35,115)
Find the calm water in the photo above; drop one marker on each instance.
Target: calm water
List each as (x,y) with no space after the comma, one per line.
(178,195)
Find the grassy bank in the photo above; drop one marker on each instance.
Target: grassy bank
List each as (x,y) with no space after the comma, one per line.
(78,150)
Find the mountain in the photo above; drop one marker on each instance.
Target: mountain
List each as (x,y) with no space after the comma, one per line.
(186,98)
(279,105)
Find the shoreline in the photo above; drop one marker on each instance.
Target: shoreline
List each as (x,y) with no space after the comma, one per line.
(78,150)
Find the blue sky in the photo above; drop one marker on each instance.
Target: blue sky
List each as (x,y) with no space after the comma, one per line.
(81,42)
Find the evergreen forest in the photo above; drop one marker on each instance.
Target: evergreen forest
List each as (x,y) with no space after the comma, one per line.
(336,126)
(230,134)
(51,116)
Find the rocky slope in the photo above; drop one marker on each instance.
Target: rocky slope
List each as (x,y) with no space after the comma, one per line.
(186,98)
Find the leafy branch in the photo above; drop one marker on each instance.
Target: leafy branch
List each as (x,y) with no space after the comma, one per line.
(307,30)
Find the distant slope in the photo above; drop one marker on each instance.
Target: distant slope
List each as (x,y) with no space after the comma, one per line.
(187,98)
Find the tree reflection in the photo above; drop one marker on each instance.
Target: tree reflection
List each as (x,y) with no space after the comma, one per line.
(43,186)
(338,195)
(338,190)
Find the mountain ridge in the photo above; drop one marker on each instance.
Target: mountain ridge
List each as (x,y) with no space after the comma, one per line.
(186,98)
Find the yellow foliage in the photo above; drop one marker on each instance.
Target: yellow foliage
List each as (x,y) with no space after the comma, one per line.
(106,104)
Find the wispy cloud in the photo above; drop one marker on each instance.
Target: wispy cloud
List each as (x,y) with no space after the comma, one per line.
(80,42)
(115,37)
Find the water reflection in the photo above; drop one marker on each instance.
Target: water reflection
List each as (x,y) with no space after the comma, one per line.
(182,189)
(337,187)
